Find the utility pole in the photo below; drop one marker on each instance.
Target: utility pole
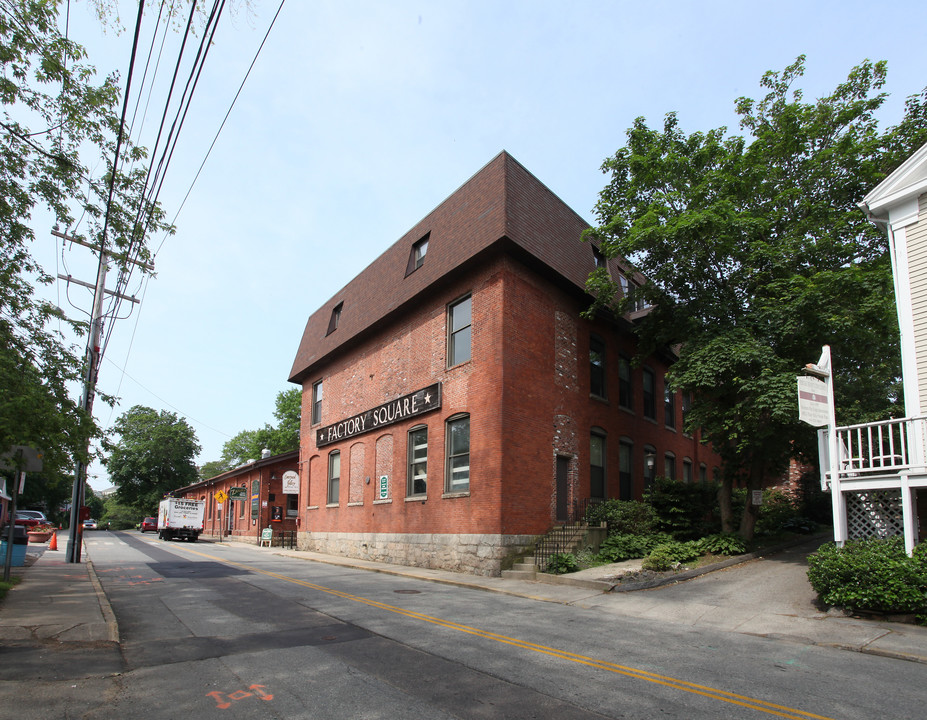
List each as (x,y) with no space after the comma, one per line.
(91,368)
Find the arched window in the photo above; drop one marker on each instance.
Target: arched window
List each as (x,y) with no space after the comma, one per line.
(625,466)
(334,476)
(457,475)
(417,476)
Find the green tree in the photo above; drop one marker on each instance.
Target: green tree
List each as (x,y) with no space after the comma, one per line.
(154,455)
(756,255)
(249,444)
(56,123)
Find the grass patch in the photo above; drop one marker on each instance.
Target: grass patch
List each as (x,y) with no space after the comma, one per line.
(5,586)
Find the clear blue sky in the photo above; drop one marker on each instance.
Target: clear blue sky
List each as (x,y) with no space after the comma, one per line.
(361,116)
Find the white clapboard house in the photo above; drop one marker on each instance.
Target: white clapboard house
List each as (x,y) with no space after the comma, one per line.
(882,467)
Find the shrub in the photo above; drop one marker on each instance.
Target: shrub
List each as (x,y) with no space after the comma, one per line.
(686,511)
(873,574)
(671,555)
(618,548)
(560,563)
(623,517)
(723,544)
(777,510)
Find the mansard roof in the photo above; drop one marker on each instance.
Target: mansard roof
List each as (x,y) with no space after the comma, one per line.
(502,207)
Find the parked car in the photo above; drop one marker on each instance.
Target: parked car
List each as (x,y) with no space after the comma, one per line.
(90,524)
(150,523)
(30,518)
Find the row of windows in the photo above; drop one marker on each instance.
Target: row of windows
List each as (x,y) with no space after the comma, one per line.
(459,325)
(598,386)
(457,460)
(597,466)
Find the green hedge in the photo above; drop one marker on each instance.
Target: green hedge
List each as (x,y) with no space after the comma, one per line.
(871,575)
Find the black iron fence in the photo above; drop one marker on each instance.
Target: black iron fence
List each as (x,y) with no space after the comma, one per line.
(563,538)
(285,539)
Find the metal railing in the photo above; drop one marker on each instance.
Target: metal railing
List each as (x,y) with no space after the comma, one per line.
(562,539)
(285,539)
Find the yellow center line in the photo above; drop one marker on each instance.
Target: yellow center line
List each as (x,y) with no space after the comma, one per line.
(676,683)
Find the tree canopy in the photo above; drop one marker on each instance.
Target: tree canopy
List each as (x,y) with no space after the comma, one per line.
(756,255)
(58,121)
(153,456)
(249,444)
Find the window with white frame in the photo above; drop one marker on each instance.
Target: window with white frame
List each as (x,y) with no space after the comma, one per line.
(334,476)
(418,461)
(459,318)
(458,454)
(316,402)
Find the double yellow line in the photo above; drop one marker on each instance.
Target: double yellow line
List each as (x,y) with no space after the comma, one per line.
(665,680)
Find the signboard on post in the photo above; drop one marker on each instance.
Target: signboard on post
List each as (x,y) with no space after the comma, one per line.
(238,493)
(813,401)
(291,482)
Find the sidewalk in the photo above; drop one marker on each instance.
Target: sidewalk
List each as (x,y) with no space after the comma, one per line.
(63,603)
(56,602)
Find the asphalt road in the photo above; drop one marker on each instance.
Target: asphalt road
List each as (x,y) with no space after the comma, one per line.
(213,630)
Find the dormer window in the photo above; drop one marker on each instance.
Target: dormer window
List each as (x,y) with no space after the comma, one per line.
(335,318)
(598,257)
(417,255)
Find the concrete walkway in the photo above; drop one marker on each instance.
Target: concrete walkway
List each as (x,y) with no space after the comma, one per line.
(64,604)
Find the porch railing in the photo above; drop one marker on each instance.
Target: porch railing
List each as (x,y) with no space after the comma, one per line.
(877,449)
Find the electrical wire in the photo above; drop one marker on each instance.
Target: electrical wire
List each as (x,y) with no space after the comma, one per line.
(222,125)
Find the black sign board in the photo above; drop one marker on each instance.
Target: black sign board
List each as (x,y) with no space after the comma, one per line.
(394,411)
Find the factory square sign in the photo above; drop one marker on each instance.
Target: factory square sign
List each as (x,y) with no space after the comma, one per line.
(408,406)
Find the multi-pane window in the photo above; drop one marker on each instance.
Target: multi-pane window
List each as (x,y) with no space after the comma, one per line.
(598,257)
(458,454)
(417,255)
(625,395)
(596,465)
(625,457)
(669,466)
(686,407)
(669,405)
(334,475)
(597,366)
(687,470)
(335,318)
(317,402)
(418,461)
(649,392)
(458,332)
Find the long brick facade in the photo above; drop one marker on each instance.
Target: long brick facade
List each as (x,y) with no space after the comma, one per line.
(547,427)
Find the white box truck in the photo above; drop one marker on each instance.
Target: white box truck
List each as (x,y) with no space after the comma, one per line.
(181,518)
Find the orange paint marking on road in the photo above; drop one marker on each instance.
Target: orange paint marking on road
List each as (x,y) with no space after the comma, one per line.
(222,703)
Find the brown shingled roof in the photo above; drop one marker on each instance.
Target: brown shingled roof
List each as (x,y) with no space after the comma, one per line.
(502,203)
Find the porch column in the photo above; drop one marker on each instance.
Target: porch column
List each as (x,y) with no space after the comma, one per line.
(909,514)
(839,504)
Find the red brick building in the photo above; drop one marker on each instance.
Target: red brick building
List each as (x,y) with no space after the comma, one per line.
(456,404)
(271,492)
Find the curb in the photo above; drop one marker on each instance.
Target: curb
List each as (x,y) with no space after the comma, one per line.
(712,567)
(109,617)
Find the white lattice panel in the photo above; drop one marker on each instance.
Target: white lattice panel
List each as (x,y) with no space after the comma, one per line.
(876,513)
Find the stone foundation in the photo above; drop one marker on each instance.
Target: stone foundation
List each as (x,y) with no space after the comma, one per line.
(474,554)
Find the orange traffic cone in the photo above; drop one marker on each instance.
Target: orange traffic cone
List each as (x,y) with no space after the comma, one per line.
(53,542)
